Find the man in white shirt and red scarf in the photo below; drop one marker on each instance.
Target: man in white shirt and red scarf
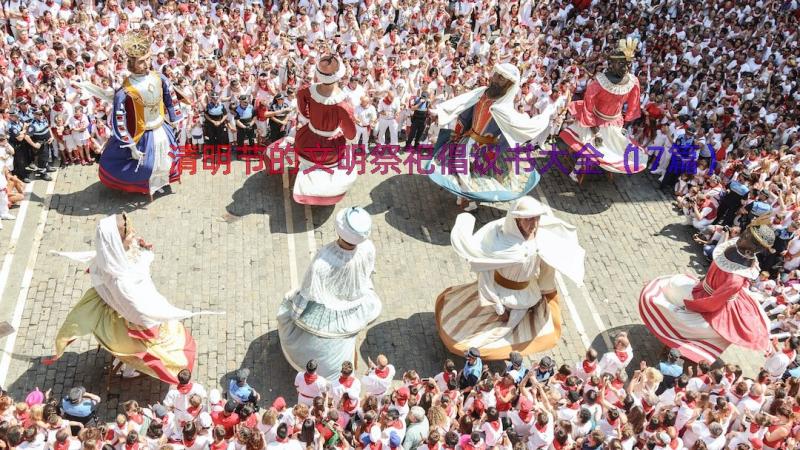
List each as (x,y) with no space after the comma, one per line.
(310,385)
(597,134)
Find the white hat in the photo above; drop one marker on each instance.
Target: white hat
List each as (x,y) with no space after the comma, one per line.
(214,396)
(527,207)
(508,71)
(353,225)
(204,420)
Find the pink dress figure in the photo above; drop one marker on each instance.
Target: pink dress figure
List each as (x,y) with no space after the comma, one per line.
(701,318)
(322,142)
(599,119)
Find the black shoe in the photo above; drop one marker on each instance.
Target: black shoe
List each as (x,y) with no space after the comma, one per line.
(26,179)
(45,177)
(50,169)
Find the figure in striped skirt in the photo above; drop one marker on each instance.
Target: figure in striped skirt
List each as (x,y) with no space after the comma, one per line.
(513,305)
(701,318)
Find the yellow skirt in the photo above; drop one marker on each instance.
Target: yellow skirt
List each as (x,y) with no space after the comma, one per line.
(461,317)
(159,352)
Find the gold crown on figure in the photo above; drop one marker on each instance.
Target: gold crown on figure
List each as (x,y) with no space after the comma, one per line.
(136,44)
(628,49)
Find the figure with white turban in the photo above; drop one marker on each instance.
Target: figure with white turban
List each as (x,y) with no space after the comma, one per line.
(124,310)
(474,156)
(597,135)
(513,305)
(324,138)
(336,300)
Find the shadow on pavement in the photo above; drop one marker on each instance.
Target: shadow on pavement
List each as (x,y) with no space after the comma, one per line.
(265,360)
(645,346)
(262,193)
(422,210)
(88,369)
(98,199)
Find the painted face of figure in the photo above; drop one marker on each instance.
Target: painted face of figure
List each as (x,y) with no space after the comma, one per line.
(528,226)
(138,66)
(498,86)
(619,67)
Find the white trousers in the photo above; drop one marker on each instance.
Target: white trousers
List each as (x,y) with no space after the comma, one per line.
(362,136)
(391,124)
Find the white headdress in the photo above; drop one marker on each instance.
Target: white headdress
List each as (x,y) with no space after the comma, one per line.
(353,225)
(334,77)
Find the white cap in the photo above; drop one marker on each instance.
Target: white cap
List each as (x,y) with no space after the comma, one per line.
(204,420)
(353,225)
(214,396)
(527,207)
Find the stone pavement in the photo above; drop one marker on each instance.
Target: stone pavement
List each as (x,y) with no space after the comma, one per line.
(226,243)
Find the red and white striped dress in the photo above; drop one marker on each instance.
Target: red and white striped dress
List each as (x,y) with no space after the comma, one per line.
(701,318)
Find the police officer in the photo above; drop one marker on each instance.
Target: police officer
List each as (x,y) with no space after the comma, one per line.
(278,112)
(419,119)
(214,126)
(16,137)
(244,117)
(40,138)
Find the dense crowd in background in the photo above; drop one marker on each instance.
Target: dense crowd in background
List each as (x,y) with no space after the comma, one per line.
(720,76)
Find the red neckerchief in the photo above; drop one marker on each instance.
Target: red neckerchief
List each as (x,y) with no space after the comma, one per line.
(193,410)
(349,405)
(387,101)
(690,404)
(588,367)
(346,381)
(382,372)
(282,441)
(790,353)
(134,446)
(540,428)
(557,445)
(136,418)
(754,427)
(310,378)
(446,376)
(560,378)
(613,423)
(623,356)
(673,444)
(575,406)
(376,445)
(61,445)
(188,444)
(646,407)
(617,383)
(495,424)
(435,447)
(678,390)
(185,388)
(525,415)
(730,377)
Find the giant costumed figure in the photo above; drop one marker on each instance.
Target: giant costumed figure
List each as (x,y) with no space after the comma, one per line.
(599,119)
(337,300)
(141,154)
(124,310)
(324,139)
(701,318)
(513,305)
(485,125)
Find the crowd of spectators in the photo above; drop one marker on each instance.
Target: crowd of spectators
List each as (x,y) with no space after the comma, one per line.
(588,404)
(719,75)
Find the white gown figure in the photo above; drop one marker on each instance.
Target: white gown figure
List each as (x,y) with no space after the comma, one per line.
(336,301)
(514,275)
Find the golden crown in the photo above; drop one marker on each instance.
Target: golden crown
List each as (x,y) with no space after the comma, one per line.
(136,44)
(628,48)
